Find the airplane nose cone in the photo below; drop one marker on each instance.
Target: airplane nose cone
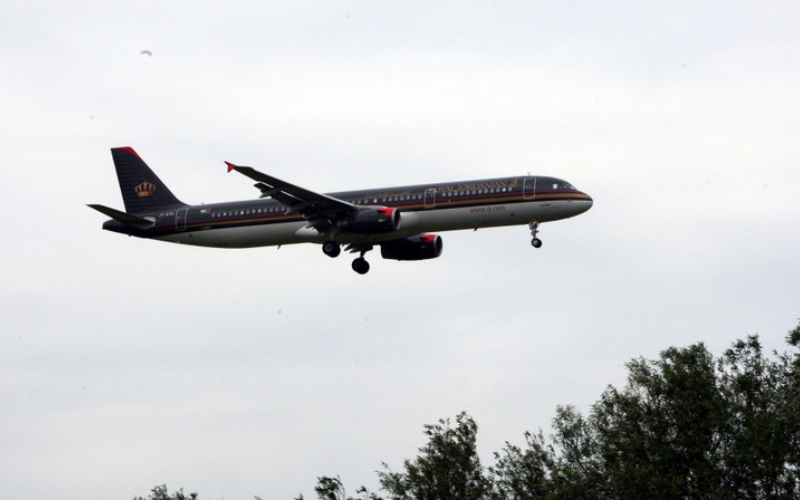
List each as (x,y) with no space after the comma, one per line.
(586,203)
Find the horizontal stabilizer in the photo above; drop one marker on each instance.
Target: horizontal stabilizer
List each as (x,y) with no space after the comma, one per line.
(125,218)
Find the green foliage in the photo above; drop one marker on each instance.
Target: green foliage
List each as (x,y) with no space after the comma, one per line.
(331,488)
(684,426)
(447,467)
(520,474)
(657,438)
(161,493)
(793,337)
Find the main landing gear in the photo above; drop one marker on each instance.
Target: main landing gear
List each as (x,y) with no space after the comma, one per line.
(360,265)
(331,248)
(536,242)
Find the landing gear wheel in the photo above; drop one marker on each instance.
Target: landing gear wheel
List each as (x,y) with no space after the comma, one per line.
(331,249)
(361,266)
(534,227)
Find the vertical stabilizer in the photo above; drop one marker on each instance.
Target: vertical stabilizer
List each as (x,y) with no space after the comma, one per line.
(142,190)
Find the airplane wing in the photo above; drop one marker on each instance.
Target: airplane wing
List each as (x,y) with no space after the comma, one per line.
(319,209)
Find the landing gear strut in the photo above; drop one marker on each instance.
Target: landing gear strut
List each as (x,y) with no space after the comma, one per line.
(536,242)
(331,248)
(360,265)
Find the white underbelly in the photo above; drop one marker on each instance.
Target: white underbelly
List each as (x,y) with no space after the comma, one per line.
(411,223)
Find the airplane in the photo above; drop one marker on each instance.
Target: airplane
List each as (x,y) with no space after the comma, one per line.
(401,220)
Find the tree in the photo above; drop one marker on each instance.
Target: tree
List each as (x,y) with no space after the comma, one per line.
(161,493)
(684,426)
(659,437)
(525,474)
(447,467)
(760,456)
(331,488)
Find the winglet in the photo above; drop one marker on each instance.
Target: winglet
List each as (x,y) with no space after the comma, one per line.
(230,165)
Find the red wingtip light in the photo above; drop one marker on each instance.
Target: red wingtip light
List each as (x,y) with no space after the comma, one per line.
(230,165)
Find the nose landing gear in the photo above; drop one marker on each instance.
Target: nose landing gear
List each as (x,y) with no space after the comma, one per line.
(534,227)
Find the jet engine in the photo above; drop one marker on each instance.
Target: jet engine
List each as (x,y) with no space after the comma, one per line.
(422,247)
(371,221)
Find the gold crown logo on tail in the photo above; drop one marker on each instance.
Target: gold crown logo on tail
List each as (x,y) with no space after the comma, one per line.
(145,189)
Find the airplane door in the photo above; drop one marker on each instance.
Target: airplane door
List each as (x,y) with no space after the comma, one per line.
(529,188)
(180,219)
(430,197)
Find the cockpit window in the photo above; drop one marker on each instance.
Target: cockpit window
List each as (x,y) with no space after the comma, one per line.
(556,185)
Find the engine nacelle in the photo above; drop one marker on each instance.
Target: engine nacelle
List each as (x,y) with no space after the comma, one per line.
(422,247)
(371,221)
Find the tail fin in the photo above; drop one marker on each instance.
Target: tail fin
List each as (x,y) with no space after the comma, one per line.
(142,190)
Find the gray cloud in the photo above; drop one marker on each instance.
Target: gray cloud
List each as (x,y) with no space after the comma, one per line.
(129,363)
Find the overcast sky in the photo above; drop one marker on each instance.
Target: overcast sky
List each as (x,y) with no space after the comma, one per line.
(127,363)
